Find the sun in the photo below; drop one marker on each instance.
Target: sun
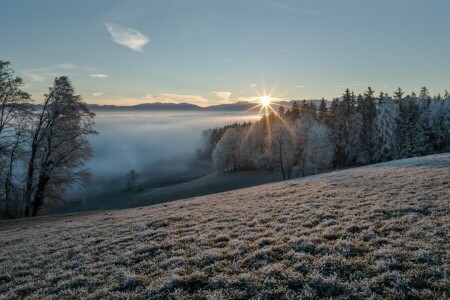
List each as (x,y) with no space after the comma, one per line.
(265,100)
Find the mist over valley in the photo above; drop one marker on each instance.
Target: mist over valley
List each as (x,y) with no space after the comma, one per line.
(161,146)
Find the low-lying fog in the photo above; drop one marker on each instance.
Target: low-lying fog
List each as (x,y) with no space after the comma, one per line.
(152,143)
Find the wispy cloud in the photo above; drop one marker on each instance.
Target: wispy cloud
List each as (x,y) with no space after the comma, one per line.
(66,66)
(228,59)
(127,37)
(34,75)
(340,86)
(91,69)
(286,7)
(99,75)
(344,86)
(41,74)
(176,98)
(223,95)
(97,94)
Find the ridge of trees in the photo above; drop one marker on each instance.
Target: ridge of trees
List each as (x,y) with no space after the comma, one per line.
(351,130)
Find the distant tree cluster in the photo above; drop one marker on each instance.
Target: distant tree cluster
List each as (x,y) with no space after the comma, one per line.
(43,149)
(351,130)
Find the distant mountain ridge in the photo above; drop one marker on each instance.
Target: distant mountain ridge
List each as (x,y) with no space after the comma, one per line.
(158,106)
(148,106)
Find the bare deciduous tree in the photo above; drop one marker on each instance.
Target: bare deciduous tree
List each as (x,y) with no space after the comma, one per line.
(14,115)
(59,147)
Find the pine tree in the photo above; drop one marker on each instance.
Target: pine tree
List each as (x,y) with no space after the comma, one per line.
(345,127)
(424,121)
(385,128)
(332,112)
(281,112)
(295,111)
(367,109)
(410,136)
(322,111)
(398,94)
(439,124)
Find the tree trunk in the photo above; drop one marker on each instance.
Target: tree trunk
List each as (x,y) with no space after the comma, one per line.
(8,204)
(281,162)
(29,187)
(39,196)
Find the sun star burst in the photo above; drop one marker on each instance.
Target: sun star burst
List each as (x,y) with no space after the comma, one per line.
(266,100)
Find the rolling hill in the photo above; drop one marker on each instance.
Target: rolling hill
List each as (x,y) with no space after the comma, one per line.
(381,231)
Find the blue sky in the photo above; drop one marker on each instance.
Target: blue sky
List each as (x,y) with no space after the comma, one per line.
(217,51)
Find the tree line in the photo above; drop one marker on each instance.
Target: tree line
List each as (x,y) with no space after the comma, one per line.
(43,148)
(351,130)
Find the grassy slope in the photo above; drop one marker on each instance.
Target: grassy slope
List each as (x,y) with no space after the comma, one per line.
(381,231)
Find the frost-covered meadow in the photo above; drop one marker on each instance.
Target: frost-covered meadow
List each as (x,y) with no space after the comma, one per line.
(381,231)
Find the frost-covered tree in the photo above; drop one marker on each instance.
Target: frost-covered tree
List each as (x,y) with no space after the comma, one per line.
(385,129)
(253,146)
(367,110)
(352,131)
(294,112)
(439,124)
(322,111)
(317,152)
(303,132)
(206,144)
(346,128)
(226,155)
(410,134)
(423,103)
(282,148)
(398,94)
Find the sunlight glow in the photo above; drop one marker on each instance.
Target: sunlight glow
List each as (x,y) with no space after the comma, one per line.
(265,101)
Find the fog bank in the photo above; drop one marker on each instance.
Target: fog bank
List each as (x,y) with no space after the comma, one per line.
(136,140)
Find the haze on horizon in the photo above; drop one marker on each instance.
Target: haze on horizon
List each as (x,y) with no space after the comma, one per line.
(212,52)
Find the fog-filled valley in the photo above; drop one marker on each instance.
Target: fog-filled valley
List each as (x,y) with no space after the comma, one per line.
(160,146)
(133,140)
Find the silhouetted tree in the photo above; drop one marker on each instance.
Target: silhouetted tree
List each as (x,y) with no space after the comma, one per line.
(14,118)
(59,148)
(322,111)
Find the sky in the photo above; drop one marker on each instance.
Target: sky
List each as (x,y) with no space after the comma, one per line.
(210,52)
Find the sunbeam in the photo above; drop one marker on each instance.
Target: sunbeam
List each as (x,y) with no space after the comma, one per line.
(265,102)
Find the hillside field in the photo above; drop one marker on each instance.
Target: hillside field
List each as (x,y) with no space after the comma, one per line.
(375,232)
